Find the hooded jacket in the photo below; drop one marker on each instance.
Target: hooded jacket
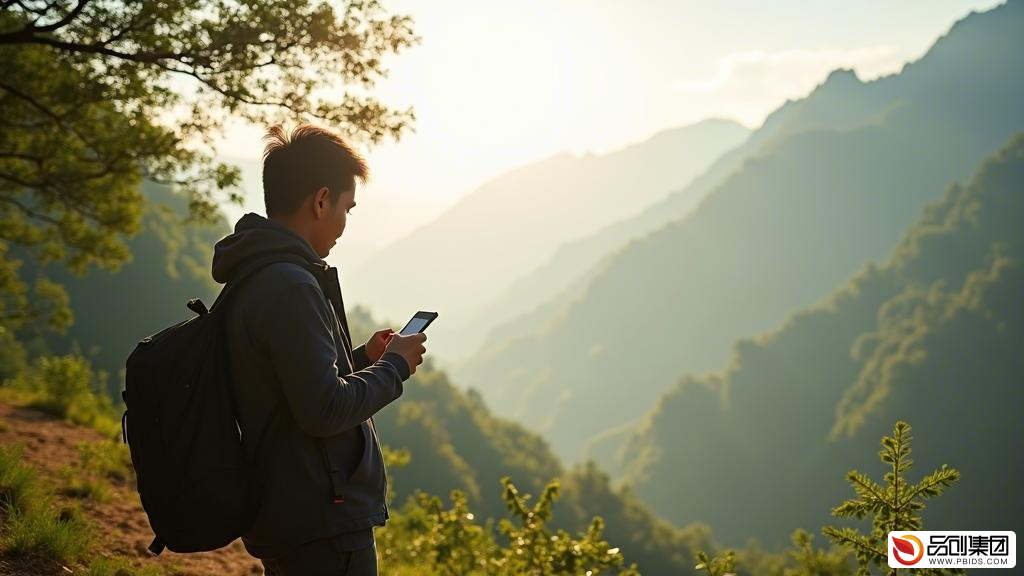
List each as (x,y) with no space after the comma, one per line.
(305,397)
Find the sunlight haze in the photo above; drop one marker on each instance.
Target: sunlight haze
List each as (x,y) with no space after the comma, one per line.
(495,86)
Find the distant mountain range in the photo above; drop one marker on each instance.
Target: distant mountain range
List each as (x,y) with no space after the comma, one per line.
(475,250)
(829,183)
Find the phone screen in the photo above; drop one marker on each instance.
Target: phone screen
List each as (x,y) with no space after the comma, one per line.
(415,325)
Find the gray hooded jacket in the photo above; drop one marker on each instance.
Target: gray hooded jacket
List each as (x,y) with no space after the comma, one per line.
(304,393)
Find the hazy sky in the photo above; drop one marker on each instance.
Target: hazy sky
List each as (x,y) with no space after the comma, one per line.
(499,84)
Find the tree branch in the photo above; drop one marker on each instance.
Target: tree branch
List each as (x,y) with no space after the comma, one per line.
(857,480)
(27,36)
(38,160)
(58,118)
(28,211)
(854,542)
(927,484)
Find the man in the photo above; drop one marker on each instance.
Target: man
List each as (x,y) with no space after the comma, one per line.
(305,397)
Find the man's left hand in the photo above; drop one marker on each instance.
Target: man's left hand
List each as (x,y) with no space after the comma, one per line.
(377,343)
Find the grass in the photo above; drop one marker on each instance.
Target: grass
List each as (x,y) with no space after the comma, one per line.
(119,567)
(82,485)
(36,525)
(106,458)
(33,523)
(63,535)
(99,463)
(18,484)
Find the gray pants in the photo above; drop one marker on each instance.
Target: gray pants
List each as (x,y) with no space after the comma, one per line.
(324,558)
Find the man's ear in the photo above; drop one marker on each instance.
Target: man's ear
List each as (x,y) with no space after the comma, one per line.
(320,201)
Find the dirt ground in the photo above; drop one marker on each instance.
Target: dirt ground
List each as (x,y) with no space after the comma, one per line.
(121,525)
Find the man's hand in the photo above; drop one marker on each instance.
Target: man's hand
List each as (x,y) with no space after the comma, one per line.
(409,347)
(377,343)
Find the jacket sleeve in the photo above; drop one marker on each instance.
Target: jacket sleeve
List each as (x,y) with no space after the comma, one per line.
(360,357)
(297,328)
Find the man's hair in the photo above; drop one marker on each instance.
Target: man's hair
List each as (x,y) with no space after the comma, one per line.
(299,164)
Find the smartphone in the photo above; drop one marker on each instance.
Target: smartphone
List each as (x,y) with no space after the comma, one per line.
(418,323)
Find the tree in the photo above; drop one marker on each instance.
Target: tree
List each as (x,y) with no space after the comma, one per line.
(896,506)
(97,95)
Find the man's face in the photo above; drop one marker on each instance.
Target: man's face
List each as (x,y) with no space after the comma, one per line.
(331,223)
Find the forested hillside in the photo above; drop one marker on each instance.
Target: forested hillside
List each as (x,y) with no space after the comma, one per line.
(932,335)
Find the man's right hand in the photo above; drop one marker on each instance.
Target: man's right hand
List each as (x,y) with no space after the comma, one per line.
(409,347)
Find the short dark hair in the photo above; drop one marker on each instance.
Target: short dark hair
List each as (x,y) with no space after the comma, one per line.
(298,164)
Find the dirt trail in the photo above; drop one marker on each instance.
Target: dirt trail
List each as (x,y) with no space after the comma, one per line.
(121,524)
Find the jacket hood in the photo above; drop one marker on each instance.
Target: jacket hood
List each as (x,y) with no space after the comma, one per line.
(256,236)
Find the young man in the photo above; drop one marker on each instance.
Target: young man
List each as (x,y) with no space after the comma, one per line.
(305,397)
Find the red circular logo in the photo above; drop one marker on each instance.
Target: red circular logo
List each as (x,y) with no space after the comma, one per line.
(906,546)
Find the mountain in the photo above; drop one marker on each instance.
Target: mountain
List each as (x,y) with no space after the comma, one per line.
(516,311)
(835,181)
(932,336)
(515,222)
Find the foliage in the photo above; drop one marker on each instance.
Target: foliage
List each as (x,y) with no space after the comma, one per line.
(449,541)
(815,562)
(170,265)
(895,506)
(717,566)
(95,96)
(67,387)
(533,549)
(801,558)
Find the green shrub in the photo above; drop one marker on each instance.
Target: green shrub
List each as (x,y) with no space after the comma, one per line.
(68,387)
(425,538)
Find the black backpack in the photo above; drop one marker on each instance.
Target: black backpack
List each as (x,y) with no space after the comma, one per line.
(196,484)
